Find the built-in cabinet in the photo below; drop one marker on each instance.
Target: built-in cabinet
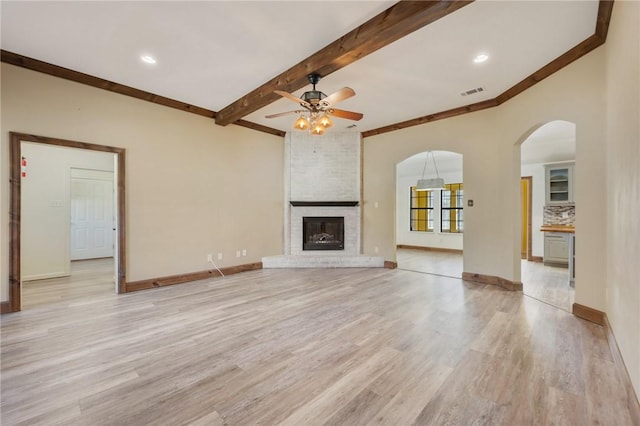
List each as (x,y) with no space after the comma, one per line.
(556,249)
(559,183)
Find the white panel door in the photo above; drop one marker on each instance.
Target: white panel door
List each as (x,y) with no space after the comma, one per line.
(92,217)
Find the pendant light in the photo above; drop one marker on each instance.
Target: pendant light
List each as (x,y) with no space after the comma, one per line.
(432,183)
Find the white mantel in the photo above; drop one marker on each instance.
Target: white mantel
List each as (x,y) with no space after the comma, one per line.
(322,169)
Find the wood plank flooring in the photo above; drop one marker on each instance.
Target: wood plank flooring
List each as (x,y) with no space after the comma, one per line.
(92,278)
(548,284)
(307,347)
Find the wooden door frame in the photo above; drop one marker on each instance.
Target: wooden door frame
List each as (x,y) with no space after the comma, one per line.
(529,180)
(14,302)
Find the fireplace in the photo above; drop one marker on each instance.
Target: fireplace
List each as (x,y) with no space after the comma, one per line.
(323,233)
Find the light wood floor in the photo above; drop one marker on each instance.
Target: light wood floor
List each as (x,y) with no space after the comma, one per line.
(307,347)
(548,284)
(90,279)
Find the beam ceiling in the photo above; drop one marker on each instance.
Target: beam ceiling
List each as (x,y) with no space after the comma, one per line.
(348,45)
(399,20)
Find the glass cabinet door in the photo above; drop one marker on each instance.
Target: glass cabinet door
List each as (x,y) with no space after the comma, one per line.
(559,185)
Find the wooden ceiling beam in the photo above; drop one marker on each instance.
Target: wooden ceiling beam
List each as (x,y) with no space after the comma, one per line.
(90,80)
(399,20)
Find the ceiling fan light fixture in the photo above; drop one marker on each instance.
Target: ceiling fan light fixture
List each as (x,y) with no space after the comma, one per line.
(317,108)
(318,129)
(325,120)
(301,123)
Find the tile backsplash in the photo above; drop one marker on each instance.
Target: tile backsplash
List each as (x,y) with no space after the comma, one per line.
(555,215)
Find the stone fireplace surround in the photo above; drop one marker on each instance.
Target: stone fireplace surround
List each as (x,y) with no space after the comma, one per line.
(322,179)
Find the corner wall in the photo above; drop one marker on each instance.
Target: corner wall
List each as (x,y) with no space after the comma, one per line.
(193,187)
(323,168)
(623,183)
(490,142)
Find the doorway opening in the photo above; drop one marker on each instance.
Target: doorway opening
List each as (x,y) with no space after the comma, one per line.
(545,256)
(19,170)
(430,223)
(526,189)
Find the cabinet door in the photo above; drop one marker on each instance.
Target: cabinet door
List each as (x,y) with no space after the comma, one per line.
(559,184)
(556,249)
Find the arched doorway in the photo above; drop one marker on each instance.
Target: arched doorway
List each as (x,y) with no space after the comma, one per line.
(430,223)
(547,161)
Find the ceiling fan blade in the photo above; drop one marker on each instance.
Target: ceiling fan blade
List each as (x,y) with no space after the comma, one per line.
(292,98)
(280,114)
(340,95)
(341,113)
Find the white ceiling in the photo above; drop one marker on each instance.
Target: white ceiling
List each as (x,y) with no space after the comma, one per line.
(211,53)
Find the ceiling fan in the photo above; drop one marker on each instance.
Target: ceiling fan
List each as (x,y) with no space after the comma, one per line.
(318,107)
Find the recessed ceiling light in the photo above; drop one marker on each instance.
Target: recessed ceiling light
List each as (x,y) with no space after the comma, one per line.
(148,59)
(480,58)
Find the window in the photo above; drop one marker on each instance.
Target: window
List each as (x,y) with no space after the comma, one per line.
(433,212)
(451,212)
(421,210)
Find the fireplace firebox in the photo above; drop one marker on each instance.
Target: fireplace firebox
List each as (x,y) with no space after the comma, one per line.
(323,233)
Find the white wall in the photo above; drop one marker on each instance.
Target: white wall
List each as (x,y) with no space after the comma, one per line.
(490,142)
(192,187)
(599,93)
(623,183)
(536,171)
(422,239)
(45,212)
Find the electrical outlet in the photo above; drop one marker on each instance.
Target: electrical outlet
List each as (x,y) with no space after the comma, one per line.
(244,252)
(238,253)
(219,256)
(210,257)
(375,249)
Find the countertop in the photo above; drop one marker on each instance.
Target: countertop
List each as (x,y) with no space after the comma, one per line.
(558,228)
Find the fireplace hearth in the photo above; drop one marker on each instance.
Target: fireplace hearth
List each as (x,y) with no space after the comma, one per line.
(323,233)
